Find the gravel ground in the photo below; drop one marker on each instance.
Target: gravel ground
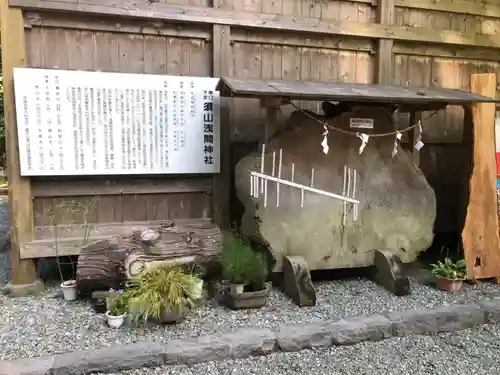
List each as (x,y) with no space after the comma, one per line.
(34,326)
(459,353)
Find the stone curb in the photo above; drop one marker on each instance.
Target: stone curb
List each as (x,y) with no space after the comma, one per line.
(253,342)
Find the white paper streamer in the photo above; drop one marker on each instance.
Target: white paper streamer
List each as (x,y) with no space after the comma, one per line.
(324,143)
(419,144)
(398,138)
(364,141)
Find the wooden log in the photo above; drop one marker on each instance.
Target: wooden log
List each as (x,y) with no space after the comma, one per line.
(108,263)
(297,281)
(390,274)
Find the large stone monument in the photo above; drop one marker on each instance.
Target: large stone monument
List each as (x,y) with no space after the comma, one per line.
(397,206)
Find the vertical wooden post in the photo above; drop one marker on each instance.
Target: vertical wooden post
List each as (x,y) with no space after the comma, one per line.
(414,135)
(20,200)
(481,236)
(384,68)
(222,181)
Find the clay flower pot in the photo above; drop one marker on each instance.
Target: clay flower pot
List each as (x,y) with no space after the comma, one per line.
(449,285)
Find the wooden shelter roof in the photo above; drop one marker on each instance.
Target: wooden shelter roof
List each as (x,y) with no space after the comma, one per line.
(421,98)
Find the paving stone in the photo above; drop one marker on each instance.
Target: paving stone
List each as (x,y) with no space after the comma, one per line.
(304,336)
(30,366)
(239,344)
(23,290)
(116,358)
(492,311)
(364,328)
(446,319)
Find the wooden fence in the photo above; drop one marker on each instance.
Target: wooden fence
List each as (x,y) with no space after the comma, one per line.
(418,43)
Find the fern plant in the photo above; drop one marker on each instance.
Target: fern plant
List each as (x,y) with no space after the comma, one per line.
(163,288)
(450,270)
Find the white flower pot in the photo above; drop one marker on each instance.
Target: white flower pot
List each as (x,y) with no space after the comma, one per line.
(69,290)
(237,288)
(115,321)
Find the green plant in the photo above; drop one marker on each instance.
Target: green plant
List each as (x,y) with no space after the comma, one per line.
(117,303)
(236,258)
(258,271)
(163,288)
(241,264)
(449,269)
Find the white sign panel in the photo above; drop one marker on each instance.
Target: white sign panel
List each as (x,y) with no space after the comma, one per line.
(93,123)
(362,123)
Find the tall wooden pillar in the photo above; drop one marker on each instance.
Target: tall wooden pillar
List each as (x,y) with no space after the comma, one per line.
(222,181)
(20,199)
(481,232)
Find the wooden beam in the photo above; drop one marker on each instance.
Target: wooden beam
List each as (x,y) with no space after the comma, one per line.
(221,60)
(480,235)
(70,238)
(385,16)
(20,202)
(447,51)
(199,15)
(476,8)
(66,21)
(90,187)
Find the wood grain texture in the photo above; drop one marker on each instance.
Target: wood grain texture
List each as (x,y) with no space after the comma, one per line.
(20,203)
(222,181)
(384,66)
(480,236)
(212,16)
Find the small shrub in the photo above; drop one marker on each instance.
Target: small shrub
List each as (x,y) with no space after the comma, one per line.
(163,288)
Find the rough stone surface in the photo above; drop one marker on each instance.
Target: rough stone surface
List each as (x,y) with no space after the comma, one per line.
(239,344)
(390,273)
(129,356)
(365,328)
(303,336)
(23,290)
(446,319)
(397,206)
(29,366)
(492,311)
(297,283)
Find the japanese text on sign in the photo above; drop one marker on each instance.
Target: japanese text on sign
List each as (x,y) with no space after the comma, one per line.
(93,123)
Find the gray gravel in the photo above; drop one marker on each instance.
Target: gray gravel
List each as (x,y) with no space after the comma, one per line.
(48,325)
(34,326)
(459,353)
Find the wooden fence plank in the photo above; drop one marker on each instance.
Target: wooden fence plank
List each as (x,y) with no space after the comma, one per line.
(20,202)
(480,236)
(199,15)
(384,69)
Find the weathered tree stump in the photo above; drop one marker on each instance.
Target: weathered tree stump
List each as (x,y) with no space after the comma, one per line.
(297,283)
(108,263)
(390,273)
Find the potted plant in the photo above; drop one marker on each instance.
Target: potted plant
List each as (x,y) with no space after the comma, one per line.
(235,258)
(116,308)
(247,272)
(450,275)
(69,290)
(165,293)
